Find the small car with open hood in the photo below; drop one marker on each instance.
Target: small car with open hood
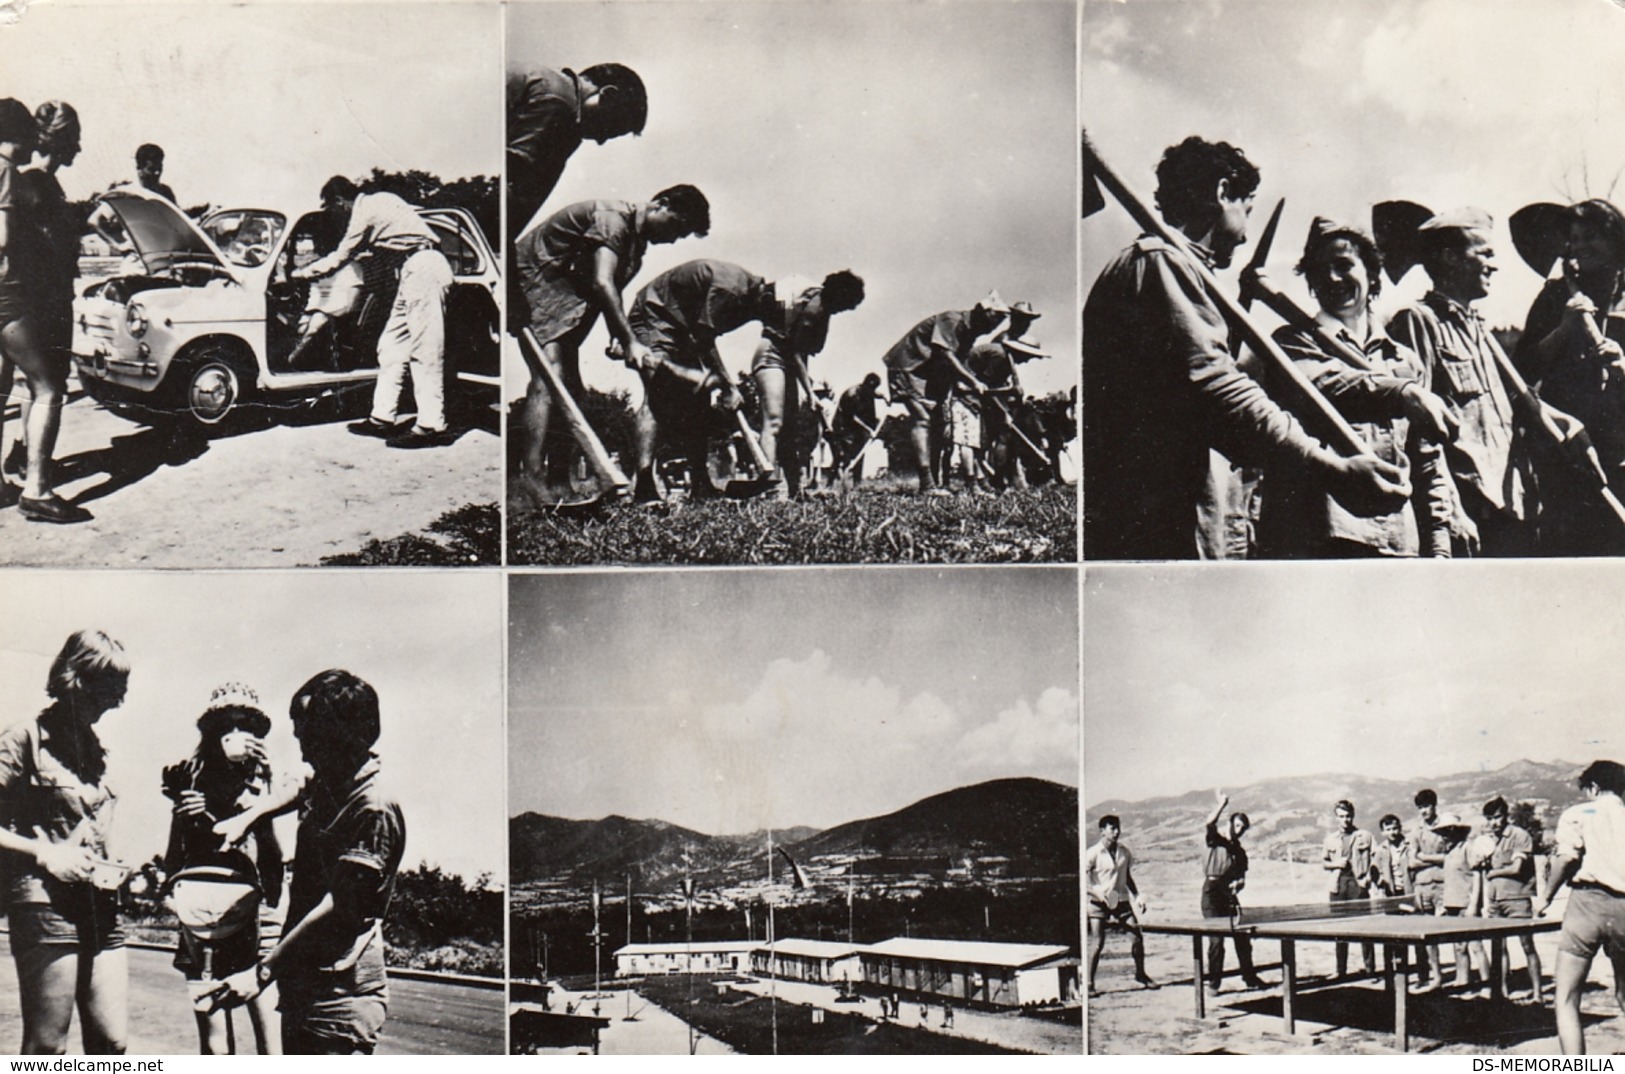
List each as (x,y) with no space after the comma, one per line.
(201,323)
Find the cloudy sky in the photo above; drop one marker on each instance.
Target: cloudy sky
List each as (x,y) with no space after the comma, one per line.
(928,146)
(727,701)
(1217,677)
(258,104)
(1443,102)
(429,643)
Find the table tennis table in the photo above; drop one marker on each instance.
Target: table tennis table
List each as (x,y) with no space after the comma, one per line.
(1391,922)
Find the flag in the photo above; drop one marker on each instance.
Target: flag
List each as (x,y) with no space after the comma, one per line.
(798,879)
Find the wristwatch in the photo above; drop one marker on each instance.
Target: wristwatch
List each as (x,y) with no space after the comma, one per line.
(263,975)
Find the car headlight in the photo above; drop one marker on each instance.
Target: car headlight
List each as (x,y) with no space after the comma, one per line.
(135,319)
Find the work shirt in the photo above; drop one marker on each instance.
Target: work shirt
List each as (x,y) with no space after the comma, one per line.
(544,129)
(1226,859)
(683,310)
(1459,354)
(1160,388)
(1459,878)
(1514,843)
(38,792)
(856,405)
(1389,865)
(1569,378)
(1594,832)
(922,346)
(1107,871)
(1425,840)
(351,842)
(1299,517)
(379,221)
(1355,848)
(796,325)
(555,261)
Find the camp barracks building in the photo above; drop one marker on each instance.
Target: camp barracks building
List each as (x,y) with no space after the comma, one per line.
(967,971)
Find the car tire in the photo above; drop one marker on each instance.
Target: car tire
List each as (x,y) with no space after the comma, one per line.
(214,386)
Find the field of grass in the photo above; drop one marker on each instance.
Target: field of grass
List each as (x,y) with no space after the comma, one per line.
(878,523)
(465,537)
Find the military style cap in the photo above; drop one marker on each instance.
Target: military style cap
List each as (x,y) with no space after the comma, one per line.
(1324,227)
(1465,219)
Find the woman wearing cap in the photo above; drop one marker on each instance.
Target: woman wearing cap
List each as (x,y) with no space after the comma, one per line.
(1377,384)
(60,890)
(227,773)
(30,328)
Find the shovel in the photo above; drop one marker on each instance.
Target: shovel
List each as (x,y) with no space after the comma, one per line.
(745,488)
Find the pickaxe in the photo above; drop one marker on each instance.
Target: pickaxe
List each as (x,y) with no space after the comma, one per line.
(592,447)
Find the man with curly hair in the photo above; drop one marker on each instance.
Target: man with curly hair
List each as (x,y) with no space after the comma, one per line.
(1161,385)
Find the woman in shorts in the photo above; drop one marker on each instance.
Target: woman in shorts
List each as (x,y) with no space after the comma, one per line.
(60,890)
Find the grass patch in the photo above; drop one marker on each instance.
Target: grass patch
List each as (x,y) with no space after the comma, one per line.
(469,536)
(869,525)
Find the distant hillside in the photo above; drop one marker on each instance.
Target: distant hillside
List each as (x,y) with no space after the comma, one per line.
(1031,822)
(1297,810)
(1015,818)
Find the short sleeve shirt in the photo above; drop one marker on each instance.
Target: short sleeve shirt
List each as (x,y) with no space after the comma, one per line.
(687,307)
(351,845)
(1356,847)
(555,261)
(1513,843)
(40,793)
(948,331)
(1458,879)
(1594,832)
(1110,870)
(1226,859)
(1427,841)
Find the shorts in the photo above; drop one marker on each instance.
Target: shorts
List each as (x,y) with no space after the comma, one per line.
(1594,919)
(769,355)
(1347,889)
(964,425)
(39,924)
(1517,907)
(1427,897)
(234,953)
(343,1025)
(1122,913)
(922,388)
(14,302)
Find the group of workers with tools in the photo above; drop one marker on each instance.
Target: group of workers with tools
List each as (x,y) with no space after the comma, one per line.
(952,374)
(1338,435)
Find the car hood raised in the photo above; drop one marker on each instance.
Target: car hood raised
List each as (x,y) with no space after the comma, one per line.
(161,233)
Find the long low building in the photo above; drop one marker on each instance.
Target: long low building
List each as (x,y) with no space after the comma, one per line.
(818,961)
(701,956)
(974,971)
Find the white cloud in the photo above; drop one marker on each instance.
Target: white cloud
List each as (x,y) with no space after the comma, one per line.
(1025,737)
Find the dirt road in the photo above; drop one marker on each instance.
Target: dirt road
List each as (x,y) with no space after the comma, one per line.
(279,496)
